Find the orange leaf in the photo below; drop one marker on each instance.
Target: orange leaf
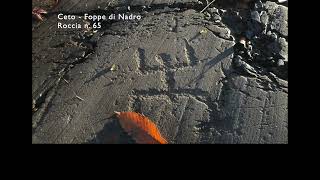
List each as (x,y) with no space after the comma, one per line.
(142,130)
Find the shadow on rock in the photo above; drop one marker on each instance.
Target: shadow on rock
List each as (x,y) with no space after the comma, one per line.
(112,133)
(219,58)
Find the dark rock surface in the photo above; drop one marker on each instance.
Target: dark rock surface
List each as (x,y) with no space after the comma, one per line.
(177,66)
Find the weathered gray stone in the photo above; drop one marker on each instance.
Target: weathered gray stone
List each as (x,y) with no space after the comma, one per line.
(179,116)
(247,111)
(278,17)
(255,16)
(174,66)
(78,6)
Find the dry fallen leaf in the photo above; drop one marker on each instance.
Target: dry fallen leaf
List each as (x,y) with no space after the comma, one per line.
(142,130)
(40,5)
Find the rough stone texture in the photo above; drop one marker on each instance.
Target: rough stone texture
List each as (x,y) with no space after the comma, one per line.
(174,66)
(77,6)
(278,17)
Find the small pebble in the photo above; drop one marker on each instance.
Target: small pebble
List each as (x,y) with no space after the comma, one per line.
(280,62)
(216,17)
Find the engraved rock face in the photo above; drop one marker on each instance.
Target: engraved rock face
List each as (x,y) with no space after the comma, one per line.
(174,65)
